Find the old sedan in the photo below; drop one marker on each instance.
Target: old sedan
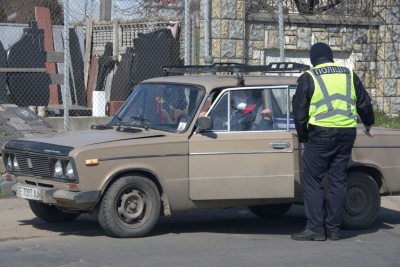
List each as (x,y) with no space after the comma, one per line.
(191,142)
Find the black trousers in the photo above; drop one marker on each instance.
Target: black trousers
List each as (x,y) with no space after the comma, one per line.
(323,212)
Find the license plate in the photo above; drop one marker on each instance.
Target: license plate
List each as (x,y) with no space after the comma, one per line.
(29,192)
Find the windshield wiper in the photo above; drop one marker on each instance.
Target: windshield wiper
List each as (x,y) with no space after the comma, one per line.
(106,126)
(130,129)
(141,120)
(100,127)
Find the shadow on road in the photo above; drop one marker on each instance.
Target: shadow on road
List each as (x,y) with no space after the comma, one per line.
(227,221)
(84,225)
(241,221)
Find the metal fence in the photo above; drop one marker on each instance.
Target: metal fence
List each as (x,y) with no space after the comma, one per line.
(88,67)
(358,8)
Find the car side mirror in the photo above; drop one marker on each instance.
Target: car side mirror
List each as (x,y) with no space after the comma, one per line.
(204,123)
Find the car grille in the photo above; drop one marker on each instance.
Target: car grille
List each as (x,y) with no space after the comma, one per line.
(34,164)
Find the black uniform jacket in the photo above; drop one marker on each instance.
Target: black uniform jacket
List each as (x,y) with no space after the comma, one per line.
(301,104)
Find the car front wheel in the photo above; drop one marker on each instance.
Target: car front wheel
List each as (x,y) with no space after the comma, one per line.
(130,207)
(362,201)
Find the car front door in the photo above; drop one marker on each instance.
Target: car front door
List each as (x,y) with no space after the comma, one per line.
(227,162)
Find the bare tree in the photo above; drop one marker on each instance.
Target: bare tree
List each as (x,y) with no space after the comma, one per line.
(6,9)
(3,15)
(302,6)
(315,6)
(146,8)
(25,10)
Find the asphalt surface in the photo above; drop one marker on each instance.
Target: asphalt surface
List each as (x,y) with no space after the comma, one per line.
(220,237)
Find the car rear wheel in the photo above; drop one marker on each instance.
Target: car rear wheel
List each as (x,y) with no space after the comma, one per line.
(269,211)
(362,201)
(130,207)
(49,213)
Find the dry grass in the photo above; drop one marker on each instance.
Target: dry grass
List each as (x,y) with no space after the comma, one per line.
(382,120)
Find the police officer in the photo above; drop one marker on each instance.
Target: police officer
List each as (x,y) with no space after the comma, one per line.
(327,101)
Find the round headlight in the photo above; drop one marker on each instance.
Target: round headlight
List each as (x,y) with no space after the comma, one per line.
(58,170)
(9,162)
(70,171)
(15,164)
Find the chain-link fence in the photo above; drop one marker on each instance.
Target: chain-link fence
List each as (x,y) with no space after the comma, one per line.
(106,47)
(360,8)
(103,60)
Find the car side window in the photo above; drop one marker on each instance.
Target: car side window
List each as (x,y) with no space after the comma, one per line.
(280,108)
(242,110)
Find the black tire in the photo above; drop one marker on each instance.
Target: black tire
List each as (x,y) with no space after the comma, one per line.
(362,202)
(130,207)
(269,211)
(49,213)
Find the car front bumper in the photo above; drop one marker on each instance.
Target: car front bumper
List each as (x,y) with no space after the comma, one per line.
(55,196)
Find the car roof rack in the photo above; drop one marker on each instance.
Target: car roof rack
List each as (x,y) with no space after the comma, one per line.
(239,69)
(274,67)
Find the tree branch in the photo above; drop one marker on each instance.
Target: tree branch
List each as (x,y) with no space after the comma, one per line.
(331,4)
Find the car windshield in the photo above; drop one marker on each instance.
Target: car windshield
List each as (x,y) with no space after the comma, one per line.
(168,107)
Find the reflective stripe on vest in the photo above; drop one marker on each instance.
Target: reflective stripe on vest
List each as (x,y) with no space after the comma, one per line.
(325,118)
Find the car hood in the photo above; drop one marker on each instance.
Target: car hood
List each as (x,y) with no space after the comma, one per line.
(61,143)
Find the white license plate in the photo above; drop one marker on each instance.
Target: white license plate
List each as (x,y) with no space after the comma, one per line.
(29,192)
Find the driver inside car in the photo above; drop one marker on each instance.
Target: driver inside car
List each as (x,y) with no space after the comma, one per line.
(248,113)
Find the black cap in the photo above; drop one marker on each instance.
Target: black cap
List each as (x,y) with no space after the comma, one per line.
(321,50)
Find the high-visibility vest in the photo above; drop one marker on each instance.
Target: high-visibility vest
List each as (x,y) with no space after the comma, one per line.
(334,101)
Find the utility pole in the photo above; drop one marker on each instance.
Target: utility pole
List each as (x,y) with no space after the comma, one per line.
(105,10)
(66,93)
(187,32)
(281,33)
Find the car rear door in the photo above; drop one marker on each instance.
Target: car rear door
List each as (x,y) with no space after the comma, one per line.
(243,164)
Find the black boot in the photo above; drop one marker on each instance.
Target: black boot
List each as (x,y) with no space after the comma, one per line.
(333,236)
(308,235)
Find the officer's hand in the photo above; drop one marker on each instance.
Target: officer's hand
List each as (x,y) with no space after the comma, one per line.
(367,131)
(367,128)
(305,143)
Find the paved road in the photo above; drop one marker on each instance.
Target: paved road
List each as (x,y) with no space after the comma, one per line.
(228,237)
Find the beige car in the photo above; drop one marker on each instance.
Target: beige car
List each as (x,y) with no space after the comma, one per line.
(191,142)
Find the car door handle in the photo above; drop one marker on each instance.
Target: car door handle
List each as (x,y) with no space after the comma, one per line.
(279,145)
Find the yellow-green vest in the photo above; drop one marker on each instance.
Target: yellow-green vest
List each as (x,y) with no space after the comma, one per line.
(333,103)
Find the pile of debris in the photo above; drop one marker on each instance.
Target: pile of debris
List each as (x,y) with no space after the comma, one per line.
(17,122)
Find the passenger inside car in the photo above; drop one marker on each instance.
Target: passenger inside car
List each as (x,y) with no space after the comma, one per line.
(210,100)
(171,104)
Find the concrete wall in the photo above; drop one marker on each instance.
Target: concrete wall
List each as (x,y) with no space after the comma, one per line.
(388,56)
(75,123)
